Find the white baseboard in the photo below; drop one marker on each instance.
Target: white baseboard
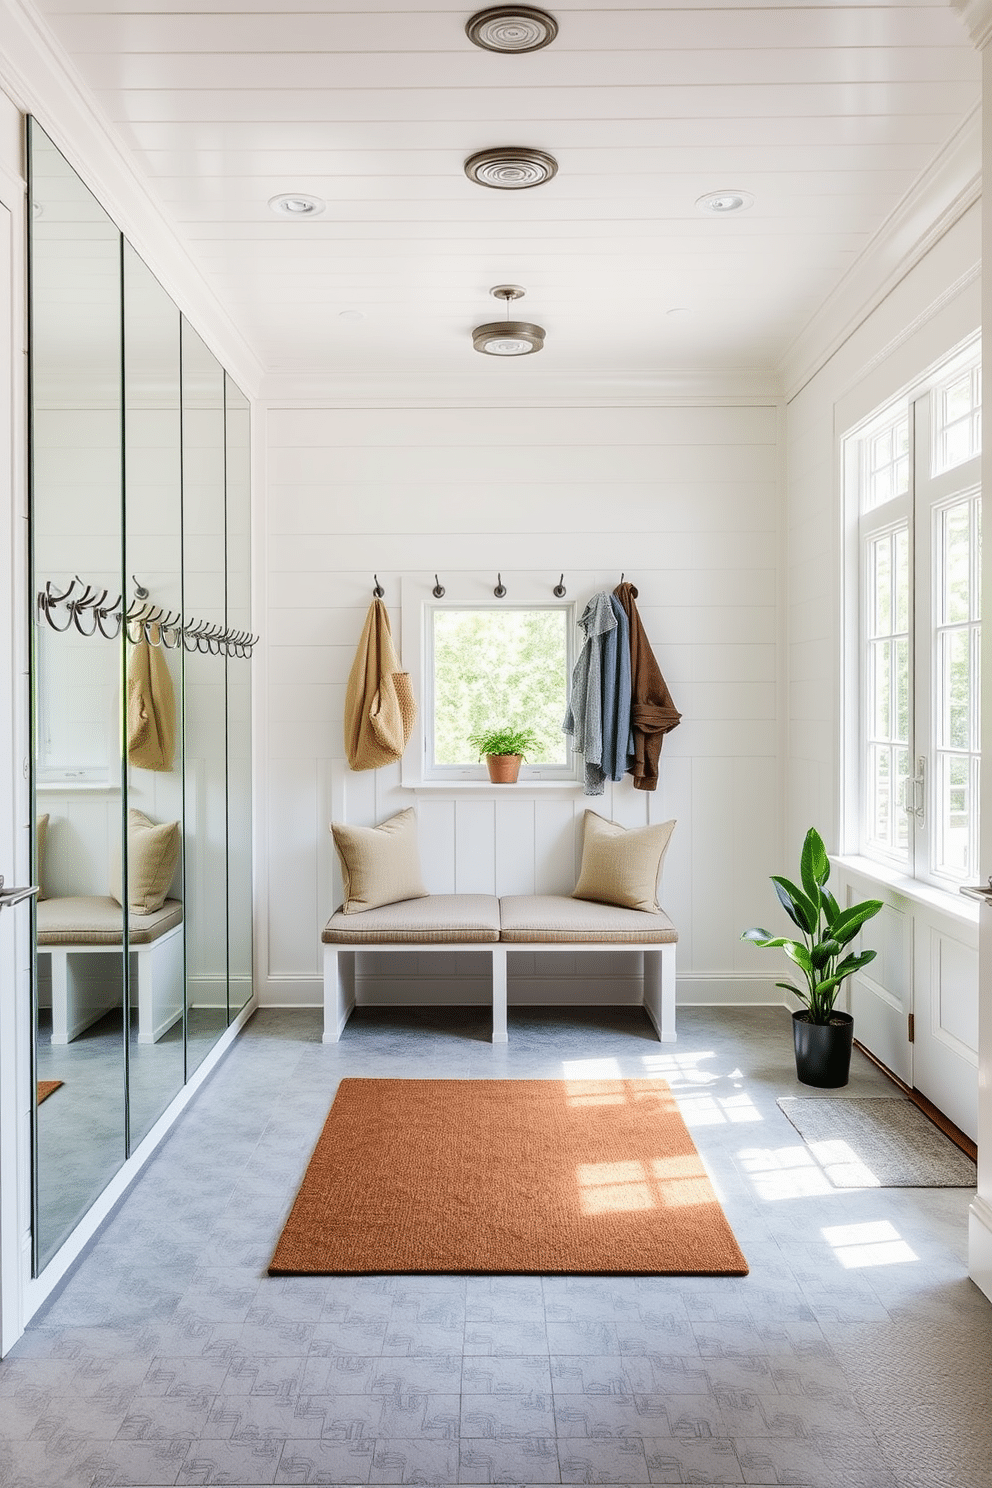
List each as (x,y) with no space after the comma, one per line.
(729,989)
(980,1244)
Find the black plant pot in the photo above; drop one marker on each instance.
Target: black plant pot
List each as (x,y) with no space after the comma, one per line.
(823,1050)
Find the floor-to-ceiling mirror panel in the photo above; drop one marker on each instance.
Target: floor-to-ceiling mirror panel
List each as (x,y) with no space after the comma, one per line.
(205,694)
(239,873)
(153,717)
(140,679)
(76,528)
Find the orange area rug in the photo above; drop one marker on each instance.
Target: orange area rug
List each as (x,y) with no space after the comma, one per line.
(509,1176)
(47,1088)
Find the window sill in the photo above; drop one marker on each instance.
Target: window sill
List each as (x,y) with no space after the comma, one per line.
(487,788)
(944,901)
(74,787)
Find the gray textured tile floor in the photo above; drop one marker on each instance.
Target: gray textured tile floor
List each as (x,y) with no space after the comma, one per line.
(857,1354)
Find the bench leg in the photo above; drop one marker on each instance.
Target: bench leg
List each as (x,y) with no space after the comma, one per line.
(339,991)
(60,997)
(659,991)
(157,974)
(499,994)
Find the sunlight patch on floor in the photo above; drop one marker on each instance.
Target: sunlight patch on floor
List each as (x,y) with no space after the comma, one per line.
(662,1182)
(680,1069)
(873,1244)
(842,1165)
(784,1172)
(591,1069)
(715,1110)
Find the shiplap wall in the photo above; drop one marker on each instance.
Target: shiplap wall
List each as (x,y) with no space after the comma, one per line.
(684,499)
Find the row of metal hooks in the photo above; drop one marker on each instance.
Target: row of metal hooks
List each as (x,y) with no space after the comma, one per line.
(559,591)
(89,611)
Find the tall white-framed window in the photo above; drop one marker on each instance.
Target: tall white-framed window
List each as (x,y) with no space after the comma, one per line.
(912,477)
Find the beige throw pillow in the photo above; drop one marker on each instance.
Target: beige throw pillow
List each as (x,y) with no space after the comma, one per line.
(380,865)
(40,841)
(619,866)
(152,859)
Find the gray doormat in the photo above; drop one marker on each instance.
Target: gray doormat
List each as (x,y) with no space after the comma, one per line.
(878,1142)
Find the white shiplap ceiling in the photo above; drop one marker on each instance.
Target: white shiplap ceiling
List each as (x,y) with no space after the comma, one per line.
(826,113)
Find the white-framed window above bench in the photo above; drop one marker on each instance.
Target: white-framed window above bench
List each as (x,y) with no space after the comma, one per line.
(911,744)
(480,663)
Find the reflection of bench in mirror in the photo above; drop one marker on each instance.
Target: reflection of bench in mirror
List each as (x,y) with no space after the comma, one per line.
(78,934)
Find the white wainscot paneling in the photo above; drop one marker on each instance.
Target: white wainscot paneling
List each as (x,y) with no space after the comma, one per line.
(881,997)
(955,977)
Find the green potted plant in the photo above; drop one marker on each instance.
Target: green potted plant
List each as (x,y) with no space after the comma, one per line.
(503,750)
(821,1033)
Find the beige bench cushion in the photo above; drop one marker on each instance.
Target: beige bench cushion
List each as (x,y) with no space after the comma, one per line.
(440,919)
(558,919)
(87,920)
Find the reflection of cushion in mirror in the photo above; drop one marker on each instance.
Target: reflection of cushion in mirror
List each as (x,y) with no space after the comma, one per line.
(41,839)
(380,865)
(619,866)
(152,858)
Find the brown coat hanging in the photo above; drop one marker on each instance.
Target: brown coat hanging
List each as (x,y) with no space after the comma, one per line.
(652,712)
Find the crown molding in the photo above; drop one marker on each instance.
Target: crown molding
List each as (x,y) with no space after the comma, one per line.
(942,194)
(977,17)
(41,79)
(576,389)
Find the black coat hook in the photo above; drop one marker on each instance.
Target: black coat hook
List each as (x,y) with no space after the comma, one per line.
(500,590)
(438,590)
(378,591)
(559,590)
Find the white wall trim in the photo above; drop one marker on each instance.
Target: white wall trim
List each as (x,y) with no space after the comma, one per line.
(15,940)
(942,194)
(980,1244)
(41,79)
(703,989)
(742,388)
(39,1288)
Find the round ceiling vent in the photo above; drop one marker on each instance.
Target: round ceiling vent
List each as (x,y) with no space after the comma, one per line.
(512,28)
(511,169)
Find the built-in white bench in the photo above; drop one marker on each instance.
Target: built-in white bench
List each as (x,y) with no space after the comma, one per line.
(74,930)
(497,928)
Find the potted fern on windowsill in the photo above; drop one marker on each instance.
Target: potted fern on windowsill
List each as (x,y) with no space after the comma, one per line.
(503,749)
(823,1035)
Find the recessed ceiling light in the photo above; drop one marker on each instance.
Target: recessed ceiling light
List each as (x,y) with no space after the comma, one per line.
(508,337)
(512,28)
(678,311)
(351,315)
(296,204)
(721,202)
(511,169)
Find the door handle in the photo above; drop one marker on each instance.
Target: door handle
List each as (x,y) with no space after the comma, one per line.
(14,896)
(982,892)
(918,808)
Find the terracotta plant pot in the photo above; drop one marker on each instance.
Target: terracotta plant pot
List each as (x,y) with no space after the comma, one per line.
(503,768)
